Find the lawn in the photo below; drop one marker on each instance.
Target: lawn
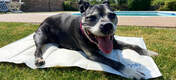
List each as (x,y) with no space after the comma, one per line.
(160,40)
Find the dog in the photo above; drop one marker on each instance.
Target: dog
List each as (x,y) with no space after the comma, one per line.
(91,33)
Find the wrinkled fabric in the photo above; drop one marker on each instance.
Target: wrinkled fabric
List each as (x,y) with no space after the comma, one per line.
(22,51)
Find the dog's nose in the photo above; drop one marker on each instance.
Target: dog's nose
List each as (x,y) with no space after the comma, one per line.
(107,28)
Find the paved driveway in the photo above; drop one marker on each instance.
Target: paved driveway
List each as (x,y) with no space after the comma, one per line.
(123,20)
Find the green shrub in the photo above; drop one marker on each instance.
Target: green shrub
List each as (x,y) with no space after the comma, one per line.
(169,6)
(139,4)
(68,6)
(93,2)
(157,4)
(119,5)
(115,7)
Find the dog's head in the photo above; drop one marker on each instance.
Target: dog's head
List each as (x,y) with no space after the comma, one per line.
(99,23)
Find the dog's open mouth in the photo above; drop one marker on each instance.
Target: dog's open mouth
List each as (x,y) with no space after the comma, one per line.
(105,43)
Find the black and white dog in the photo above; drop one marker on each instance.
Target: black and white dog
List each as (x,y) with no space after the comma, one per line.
(91,33)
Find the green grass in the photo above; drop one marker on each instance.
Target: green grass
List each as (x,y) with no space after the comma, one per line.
(162,41)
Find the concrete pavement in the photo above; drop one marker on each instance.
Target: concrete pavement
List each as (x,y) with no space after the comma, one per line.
(149,21)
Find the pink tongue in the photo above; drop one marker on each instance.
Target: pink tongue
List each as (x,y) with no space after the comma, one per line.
(105,44)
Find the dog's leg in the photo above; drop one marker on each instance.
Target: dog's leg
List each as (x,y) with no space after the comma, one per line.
(122,45)
(96,56)
(39,40)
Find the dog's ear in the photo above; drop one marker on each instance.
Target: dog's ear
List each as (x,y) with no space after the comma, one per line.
(106,2)
(83,5)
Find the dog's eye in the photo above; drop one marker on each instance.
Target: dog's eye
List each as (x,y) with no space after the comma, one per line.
(92,18)
(112,15)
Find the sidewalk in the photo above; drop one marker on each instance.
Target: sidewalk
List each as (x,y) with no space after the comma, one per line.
(158,21)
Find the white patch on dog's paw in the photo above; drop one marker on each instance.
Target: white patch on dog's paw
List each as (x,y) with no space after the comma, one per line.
(130,72)
(39,62)
(152,53)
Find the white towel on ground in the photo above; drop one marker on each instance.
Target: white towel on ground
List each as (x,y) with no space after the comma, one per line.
(22,51)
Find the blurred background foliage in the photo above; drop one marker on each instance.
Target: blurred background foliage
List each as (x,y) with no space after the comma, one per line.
(130,5)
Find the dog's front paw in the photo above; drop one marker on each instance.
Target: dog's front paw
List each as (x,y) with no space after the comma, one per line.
(150,53)
(133,74)
(39,62)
